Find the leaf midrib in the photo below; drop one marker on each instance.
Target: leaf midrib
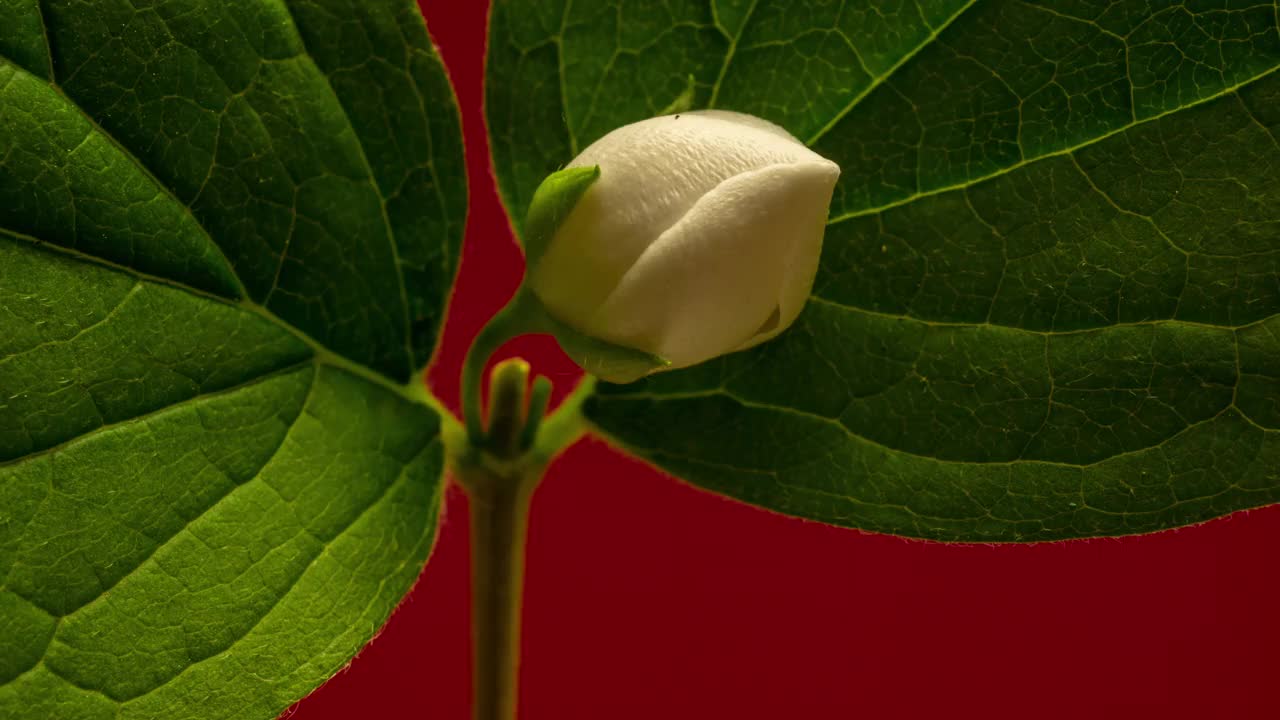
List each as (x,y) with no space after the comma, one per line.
(817,297)
(835,422)
(1234,89)
(95,127)
(879,80)
(198,397)
(321,354)
(775,477)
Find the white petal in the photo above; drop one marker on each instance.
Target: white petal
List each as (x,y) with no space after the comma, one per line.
(651,174)
(801,267)
(710,281)
(750,121)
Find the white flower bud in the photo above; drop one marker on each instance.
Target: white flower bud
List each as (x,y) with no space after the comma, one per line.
(700,237)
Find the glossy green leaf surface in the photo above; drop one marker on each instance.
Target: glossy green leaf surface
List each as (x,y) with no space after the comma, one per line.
(228,231)
(1049,299)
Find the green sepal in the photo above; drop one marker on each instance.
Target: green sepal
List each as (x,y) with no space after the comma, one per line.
(552,202)
(608,361)
(612,363)
(601,358)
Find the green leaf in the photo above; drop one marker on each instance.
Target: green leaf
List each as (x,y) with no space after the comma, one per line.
(228,231)
(1049,299)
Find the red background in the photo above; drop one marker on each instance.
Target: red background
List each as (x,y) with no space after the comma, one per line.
(648,599)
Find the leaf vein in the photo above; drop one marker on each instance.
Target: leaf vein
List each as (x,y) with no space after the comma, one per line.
(373,183)
(733,47)
(879,80)
(400,479)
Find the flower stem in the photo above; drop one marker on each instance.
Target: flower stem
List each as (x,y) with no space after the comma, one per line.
(520,315)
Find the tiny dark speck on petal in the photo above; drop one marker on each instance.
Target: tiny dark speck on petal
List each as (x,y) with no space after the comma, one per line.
(677,117)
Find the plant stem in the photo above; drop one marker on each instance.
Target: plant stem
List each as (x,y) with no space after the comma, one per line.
(499,518)
(499,483)
(499,468)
